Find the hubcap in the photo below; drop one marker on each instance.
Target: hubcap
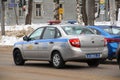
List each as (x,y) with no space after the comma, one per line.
(56,60)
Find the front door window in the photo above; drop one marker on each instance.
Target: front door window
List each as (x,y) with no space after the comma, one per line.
(36,34)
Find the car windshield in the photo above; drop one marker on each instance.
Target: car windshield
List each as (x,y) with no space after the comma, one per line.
(76,30)
(113,30)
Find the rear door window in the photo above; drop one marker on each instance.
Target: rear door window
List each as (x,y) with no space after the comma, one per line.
(76,30)
(112,30)
(49,33)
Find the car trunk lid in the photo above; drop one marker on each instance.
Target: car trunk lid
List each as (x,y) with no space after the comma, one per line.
(92,41)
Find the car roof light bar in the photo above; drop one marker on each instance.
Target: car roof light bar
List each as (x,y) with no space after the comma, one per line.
(51,22)
(72,21)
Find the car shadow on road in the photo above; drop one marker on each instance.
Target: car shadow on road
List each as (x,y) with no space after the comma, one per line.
(67,66)
(109,62)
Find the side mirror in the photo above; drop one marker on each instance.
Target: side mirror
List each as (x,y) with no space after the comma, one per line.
(25,38)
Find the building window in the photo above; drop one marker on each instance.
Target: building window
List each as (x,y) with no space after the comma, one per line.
(12,1)
(38,10)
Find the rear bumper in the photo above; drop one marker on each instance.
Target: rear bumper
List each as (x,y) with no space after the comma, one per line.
(78,54)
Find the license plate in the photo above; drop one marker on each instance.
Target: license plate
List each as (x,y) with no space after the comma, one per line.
(95,55)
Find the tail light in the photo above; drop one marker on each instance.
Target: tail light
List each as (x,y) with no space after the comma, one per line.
(105,42)
(112,40)
(75,42)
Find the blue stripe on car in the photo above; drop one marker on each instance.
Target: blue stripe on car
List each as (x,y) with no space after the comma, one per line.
(41,40)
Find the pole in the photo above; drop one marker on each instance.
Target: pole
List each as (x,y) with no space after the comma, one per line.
(56,10)
(91,11)
(2,18)
(79,15)
(112,12)
(106,10)
(16,17)
(102,10)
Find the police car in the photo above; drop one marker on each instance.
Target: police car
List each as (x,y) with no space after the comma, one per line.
(60,43)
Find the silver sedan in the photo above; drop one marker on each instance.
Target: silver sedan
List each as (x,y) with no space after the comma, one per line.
(60,43)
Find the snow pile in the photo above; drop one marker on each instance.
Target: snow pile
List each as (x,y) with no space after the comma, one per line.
(102,23)
(107,23)
(23,27)
(118,23)
(11,38)
(6,40)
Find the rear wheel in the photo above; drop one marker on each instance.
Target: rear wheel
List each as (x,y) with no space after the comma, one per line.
(118,60)
(18,59)
(93,63)
(57,60)
(119,63)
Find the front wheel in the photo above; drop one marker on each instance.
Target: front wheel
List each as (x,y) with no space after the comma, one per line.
(93,63)
(18,59)
(57,60)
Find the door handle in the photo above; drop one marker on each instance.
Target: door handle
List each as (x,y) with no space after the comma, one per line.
(51,42)
(36,42)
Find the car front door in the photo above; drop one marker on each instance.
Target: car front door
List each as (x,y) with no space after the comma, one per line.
(31,47)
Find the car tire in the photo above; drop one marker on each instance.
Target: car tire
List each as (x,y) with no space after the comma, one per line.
(93,63)
(118,57)
(118,60)
(103,60)
(18,59)
(119,63)
(50,62)
(57,60)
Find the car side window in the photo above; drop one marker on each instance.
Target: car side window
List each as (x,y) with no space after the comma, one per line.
(58,34)
(49,33)
(36,34)
(86,31)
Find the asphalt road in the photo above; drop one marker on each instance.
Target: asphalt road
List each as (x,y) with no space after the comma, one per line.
(40,70)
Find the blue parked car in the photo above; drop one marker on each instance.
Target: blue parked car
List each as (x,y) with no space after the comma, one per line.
(112,35)
(118,56)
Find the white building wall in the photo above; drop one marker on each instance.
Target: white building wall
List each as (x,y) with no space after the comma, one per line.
(69,10)
(47,12)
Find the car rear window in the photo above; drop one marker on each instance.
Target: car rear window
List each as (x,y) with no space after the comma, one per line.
(76,30)
(113,30)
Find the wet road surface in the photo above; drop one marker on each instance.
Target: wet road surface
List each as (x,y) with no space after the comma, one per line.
(41,70)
